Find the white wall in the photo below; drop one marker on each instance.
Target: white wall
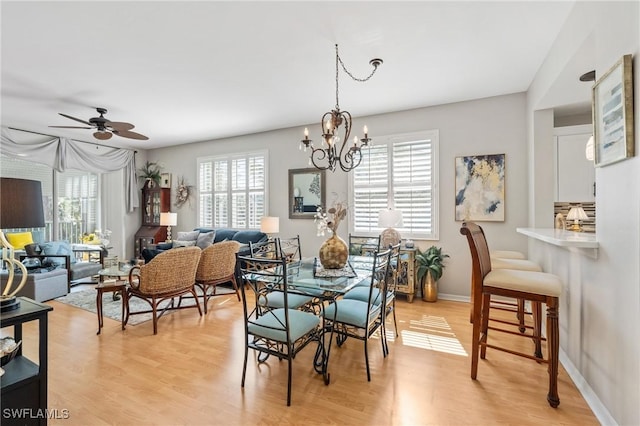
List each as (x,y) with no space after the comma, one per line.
(600,310)
(486,126)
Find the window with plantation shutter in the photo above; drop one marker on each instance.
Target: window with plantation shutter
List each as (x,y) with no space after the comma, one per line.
(75,201)
(398,172)
(232,190)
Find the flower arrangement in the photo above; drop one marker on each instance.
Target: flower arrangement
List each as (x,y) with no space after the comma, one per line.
(183,192)
(330,220)
(150,172)
(98,237)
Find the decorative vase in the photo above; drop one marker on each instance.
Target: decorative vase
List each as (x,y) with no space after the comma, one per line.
(334,253)
(429,289)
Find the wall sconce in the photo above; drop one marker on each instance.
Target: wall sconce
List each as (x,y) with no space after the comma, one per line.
(576,214)
(390,219)
(270,225)
(168,219)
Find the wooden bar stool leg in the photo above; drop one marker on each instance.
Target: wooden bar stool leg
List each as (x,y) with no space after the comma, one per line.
(553,345)
(536,307)
(475,342)
(486,306)
(520,315)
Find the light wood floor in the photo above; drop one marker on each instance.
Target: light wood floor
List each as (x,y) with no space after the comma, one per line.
(189,374)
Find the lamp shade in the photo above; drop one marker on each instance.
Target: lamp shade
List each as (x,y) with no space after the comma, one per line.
(390,218)
(577,213)
(21,203)
(270,224)
(168,219)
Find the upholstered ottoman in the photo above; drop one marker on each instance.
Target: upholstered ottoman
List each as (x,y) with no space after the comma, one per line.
(40,286)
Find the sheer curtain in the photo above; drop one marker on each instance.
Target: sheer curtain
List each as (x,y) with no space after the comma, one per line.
(66,154)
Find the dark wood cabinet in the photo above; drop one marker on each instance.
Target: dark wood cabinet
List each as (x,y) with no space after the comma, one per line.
(24,383)
(154,201)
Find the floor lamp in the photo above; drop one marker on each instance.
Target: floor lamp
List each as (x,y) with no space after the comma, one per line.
(21,201)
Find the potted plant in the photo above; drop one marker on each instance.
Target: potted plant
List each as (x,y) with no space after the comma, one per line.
(150,174)
(430,268)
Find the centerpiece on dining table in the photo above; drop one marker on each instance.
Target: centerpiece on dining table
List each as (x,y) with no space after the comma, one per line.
(334,252)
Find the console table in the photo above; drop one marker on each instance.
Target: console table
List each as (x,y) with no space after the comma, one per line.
(24,383)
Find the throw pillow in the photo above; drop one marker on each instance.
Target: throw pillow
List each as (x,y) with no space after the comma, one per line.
(178,243)
(188,236)
(19,239)
(205,239)
(57,247)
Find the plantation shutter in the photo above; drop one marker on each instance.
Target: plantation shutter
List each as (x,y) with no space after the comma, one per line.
(232,191)
(398,172)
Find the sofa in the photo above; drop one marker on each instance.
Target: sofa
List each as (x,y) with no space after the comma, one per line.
(203,237)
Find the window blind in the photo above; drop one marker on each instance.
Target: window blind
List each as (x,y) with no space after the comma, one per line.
(398,172)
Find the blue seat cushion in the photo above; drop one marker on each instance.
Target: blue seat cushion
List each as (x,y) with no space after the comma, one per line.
(351,311)
(300,323)
(275,299)
(362,294)
(224,234)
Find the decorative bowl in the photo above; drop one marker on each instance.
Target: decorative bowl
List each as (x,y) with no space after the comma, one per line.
(8,349)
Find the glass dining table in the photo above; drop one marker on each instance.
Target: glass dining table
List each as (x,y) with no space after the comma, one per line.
(307,276)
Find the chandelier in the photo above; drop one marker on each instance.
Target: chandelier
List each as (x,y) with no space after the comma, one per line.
(336,126)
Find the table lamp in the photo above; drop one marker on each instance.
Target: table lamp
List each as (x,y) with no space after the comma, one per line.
(21,201)
(390,219)
(270,225)
(576,214)
(168,219)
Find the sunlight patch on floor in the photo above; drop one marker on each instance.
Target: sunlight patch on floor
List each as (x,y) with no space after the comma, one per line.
(432,333)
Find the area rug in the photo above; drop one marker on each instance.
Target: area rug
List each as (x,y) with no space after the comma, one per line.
(86,299)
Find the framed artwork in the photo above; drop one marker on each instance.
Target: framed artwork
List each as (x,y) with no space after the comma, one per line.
(165,180)
(613,114)
(480,188)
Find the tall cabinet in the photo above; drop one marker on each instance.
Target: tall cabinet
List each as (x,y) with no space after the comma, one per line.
(154,201)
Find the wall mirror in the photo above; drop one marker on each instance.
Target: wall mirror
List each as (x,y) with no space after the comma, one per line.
(306,192)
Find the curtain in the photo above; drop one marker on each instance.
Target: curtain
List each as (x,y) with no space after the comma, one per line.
(64,154)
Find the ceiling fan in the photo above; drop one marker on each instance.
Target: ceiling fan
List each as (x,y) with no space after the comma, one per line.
(104,127)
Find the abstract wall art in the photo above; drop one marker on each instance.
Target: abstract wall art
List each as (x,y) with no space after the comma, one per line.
(480,188)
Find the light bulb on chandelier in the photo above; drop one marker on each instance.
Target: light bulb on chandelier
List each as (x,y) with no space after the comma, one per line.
(348,158)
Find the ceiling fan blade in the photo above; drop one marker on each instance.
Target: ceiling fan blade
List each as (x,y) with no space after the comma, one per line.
(130,135)
(71,127)
(101,135)
(120,126)
(76,119)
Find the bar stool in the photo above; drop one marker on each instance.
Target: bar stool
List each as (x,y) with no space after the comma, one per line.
(536,287)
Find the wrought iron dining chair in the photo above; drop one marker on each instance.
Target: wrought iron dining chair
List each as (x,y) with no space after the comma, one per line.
(362,319)
(272,250)
(290,248)
(536,287)
(281,332)
(361,292)
(363,246)
(217,266)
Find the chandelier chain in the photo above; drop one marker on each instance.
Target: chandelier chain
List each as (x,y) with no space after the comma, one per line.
(374,63)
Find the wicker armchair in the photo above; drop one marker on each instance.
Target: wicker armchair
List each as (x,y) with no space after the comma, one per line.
(217,266)
(170,274)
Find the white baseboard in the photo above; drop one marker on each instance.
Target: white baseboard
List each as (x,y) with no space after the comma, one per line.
(598,408)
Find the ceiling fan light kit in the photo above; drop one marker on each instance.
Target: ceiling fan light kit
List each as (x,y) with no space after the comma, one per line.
(104,127)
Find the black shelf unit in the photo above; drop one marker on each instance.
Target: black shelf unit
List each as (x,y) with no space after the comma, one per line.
(24,383)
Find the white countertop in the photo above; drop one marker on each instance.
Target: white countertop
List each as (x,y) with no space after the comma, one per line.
(560,237)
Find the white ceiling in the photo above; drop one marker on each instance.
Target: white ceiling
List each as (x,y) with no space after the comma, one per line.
(194,71)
